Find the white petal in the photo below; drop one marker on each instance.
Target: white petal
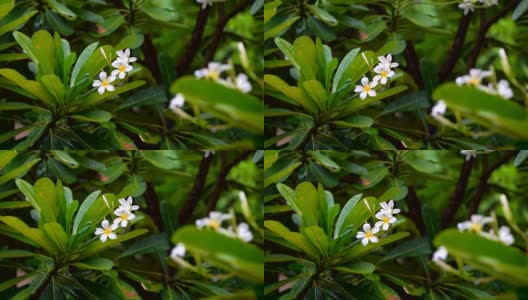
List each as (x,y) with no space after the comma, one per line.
(360,235)
(363,95)
(124,223)
(114,226)
(103,238)
(358,89)
(378,224)
(99,231)
(110,87)
(96,83)
(366,227)
(112,236)
(101,90)
(374,239)
(122,75)
(114,73)
(364,81)
(102,75)
(105,223)
(364,241)
(386,226)
(372,93)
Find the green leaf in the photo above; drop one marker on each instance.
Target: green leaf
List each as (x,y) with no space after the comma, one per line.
(45,194)
(5,7)
(17,106)
(57,234)
(35,235)
(357,250)
(358,104)
(85,206)
(62,10)
(85,54)
(15,254)
(14,24)
(97,246)
(359,267)
(6,156)
(343,66)
(231,254)
(355,122)
(306,56)
(323,15)
(13,56)
(95,98)
(97,116)
(520,10)
(343,221)
(151,244)
(44,50)
(300,241)
(492,257)
(325,161)
(411,248)
(11,282)
(14,204)
(278,26)
(318,237)
(54,85)
(317,92)
(65,158)
(97,263)
(296,95)
(490,111)
(228,104)
(18,171)
(34,88)
(111,24)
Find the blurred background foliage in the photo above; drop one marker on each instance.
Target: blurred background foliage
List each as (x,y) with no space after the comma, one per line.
(172,188)
(435,189)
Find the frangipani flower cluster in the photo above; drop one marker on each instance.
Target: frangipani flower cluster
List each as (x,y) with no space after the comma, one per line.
(475,79)
(124,214)
(122,67)
(476,224)
(215,221)
(204,3)
(384,72)
(470,5)
(385,216)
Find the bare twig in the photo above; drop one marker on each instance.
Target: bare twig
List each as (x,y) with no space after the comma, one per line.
(456,49)
(224,171)
(413,64)
(194,44)
(415,209)
(196,191)
(484,177)
(151,57)
(458,195)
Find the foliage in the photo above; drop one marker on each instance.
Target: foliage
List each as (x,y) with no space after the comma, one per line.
(49,249)
(436,44)
(53,51)
(314,251)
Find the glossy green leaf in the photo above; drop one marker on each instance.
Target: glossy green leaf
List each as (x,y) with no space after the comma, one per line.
(97,263)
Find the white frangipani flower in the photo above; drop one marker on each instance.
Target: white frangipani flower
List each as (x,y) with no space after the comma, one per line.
(204,3)
(122,68)
(386,62)
(440,254)
(439,109)
(104,83)
(178,251)
(386,220)
(242,83)
(505,235)
(475,224)
(177,101)
(474,78)
(214,221)
(126,204)
(123,216)
(244,233)
(388,208)
(124,56)
(469,154)
(213,71)
(383,74)
(366,88)
(504,90)
(467,6)
(107,231)
(368,234)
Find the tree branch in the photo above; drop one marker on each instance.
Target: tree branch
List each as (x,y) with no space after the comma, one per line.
(220,182)
(154,206)
(194,44)
(151,57)
(413,64)
(484,27)
(483,182)
(219,30)
(196,191)
(415,209)
(456,49)
(458,196)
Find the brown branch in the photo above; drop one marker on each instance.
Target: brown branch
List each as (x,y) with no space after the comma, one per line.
(194,44)
(219,30)
(484,27)
(220,182)
(458,196)
(151,57)
(415,209)
(483,181)
(154,206)
(413,64)
(456,49)
(196,191)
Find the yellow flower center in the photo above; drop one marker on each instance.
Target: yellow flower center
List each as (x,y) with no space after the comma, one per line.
(122,68)
(384,73)
(124,216)
(107,231)
(367,88)
(386,220)
(215,224)
(368,234)
(213,75)
(105,83)
(477,227)
(474,81)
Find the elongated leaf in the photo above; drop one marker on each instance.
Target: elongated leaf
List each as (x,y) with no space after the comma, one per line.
(97,247)
(97,263)
(34,88)
(54,85)
(358,249)
(343,66)
(18,171)
(297,239)
(231,254)
(85,54)
(45,194)
(85,206)
(33,234)
(57,234)
(17,22)
(343,221)
(358,104)
(95,98)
